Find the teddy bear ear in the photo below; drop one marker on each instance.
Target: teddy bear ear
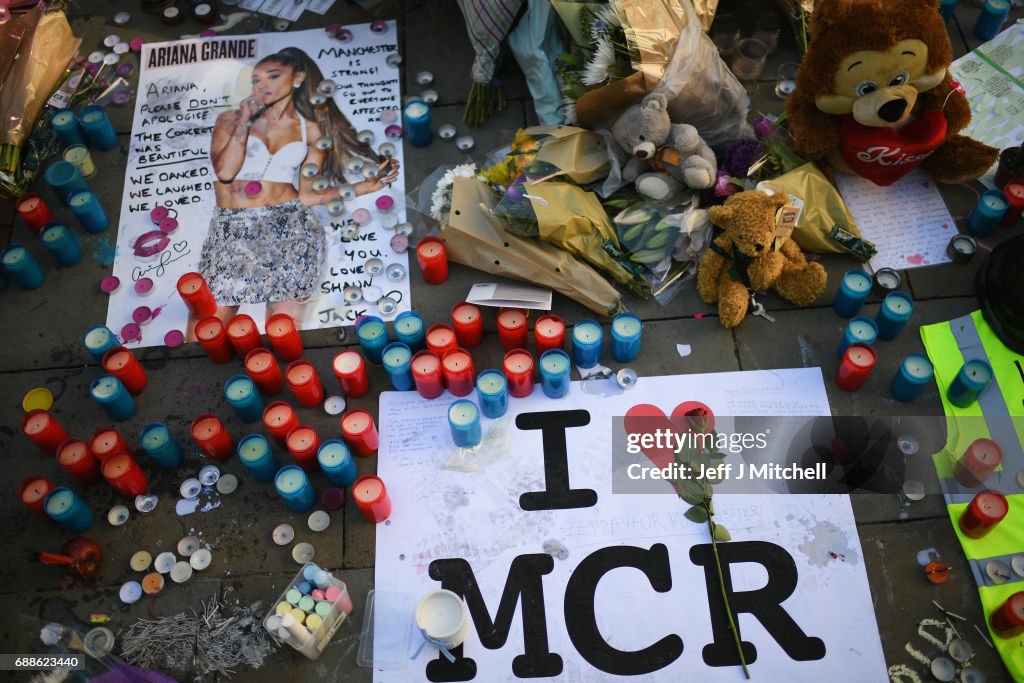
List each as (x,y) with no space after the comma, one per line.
(828,13)
(780,199)
(720,214)
(656,101)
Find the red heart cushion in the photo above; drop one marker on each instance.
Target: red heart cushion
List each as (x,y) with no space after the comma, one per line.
(884,155)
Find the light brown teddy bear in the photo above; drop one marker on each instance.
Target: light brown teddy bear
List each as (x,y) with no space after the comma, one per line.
(741,258)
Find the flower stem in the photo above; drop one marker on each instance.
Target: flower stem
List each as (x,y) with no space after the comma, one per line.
(725,597)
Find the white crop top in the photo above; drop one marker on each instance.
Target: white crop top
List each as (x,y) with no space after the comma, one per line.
(280,167)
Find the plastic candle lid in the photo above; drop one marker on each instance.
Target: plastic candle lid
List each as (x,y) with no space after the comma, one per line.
(200,559)
(283,534)
(318,521)
(190,489)
(174,339)
(118,515)
(38,398)
(164,562)
(153,583)
(303,552)
(334,405)
(181,572)
(130,592)
(131,332)
(140,561)
(227,484)
(333,498)
(188,546)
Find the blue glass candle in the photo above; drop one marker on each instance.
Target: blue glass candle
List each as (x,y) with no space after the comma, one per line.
(397,359)
(985,217)
(257,457)
(991,19)
(893,314)
(62,243)
(295,489)
(69,511)
(947,8)
(241,394)
(22,267)
(98,128)
(410,330)
(914,374)
(65,124)
(973,378)
(626,333)
(418,130)
(464,420)
(554,372)
(586,343)
(492,390)
(337,462)
(88,211)
(373,337)
(64,178)
(108,391)
(859,330)
(853,290)
(161,446)
(98,340)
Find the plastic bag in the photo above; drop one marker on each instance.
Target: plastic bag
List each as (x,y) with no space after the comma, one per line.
(493,447)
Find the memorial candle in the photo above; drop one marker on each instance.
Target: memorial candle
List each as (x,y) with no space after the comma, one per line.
(371,498)
(1008,620)
(62,244)
(978,462)
(860,330)
(243,334)
(279,418)
(125,475)
(512,328)
(549,333)
(43,430)
(212,437)
(433,260)
(65,179)
(457,367)
(885,280)
(409,330)
(65,123)
(284,337)
(68,510)
(555,367)
(586,343)
(98,340)
(962,248)
(1014,192)
(468,321)
(441,339)
(197,295)
(627,331)
(947,8)
(303,443)
(991,19)
(106,442)
(263,369)
(427,375)
(121,363)
(305,383)
(350,369)
(75,457)
(337,462)
(893,314)
(853,291)
(991,207)
(915,372)
(417,129)
(257,457)
(464,422)
(242,395)
(89,212)
(397,359)
(32,493)
(212,336)
(108,391)
(22,267)
(160,445)
(34,211)
(360,432)
(98,128)
(492,393)
(80,157)
(972,379)
(294,488)
(855,366)
(518,366)
(373,337)
(983,513)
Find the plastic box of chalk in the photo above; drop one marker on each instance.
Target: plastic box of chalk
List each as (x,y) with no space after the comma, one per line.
(309,611)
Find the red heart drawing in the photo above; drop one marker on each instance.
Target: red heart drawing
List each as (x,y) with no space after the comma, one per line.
(645,418)
(916,259)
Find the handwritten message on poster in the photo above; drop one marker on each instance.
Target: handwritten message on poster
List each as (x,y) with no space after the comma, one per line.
(270,164)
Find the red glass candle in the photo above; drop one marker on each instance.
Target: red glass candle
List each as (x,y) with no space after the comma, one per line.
(43,430)
(212,336)
(75,457)
(284,337)
(441,339)
(302,443)
(360,432)
(518,367)
(856,365)
(305,383)
(34,211)
(350,369)
(32,491)
(122,364)
(1014,192)
(264,371)
(279,418)
(426,373)
(433,260)
(212,437)
(372,498)
(243,334)
(457,367)
(125,475)
(549,333)
(983,513)
(468,321)
(107,442)
(197,295)
(979,461)
(512,328)
(1008,620)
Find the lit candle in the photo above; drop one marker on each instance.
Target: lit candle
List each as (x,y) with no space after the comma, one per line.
(518,366)
(65,179)
(284,337)
(337,462)
(855,366)
(350,370)
(409,330)
(106,442)
(586,343)
(303,443)
(853,290)
(554,373)
(75,457)
(212,336)
(108,391)
(915,372)
(241,394)
(257,457)
(212,437)
(263,369)
(512,328)
(978,462)
(360,432)
(457,367)
(443,617)
(43,430)
(468,321)
(122,364)
(492,393)
(549,333)
(125,475)
(279,418)
(983,513)
(464,421)
(893,314)
(23,268)
(1008,620)
(397,359)
(426,374)
(98,340)
(197,295)
(372,498)
(441,339)
(62,244)
(433,260)
(418,129)
(160,445)
(885,280)
(991,19)
(373,337)
(1014,192)
(89,212)
(991,207)
(860,330)
(98,128)
(627,331)
(32,493)
(68,510)
(294,488)
(80,157)
(305,384)
(244,335)
(973,378)
(65,122)
(34,211)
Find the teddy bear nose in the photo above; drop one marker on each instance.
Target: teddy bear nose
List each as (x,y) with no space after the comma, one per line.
(892,111)
(759,247)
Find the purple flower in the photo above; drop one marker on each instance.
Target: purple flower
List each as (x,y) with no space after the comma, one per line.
(724,185)
(762,127)
(740,156)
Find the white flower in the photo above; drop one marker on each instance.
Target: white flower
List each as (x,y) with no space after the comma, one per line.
(441,199)
(596,71)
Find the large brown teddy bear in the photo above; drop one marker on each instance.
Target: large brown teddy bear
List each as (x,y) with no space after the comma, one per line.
(741,259)
(874,95)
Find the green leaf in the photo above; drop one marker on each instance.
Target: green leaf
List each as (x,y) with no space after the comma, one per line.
(722,534)
(717,455)
(690,491)
(697,514)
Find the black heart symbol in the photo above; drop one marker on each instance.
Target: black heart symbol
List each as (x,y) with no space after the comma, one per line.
(180,246)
